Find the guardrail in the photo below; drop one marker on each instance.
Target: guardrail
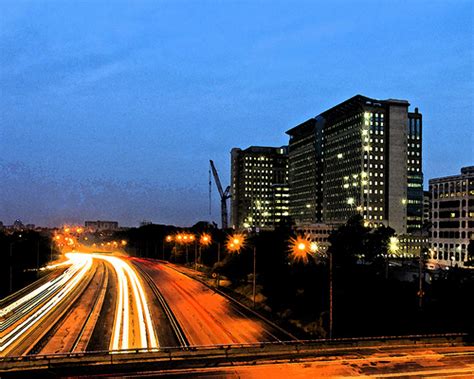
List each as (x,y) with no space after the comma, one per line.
(196,357)
(298,345)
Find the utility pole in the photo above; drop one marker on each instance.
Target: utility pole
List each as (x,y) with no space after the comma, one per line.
(37,258)
(254,273)
(11,267)
(195,255)
(421,263)
(330,295)
(218,261)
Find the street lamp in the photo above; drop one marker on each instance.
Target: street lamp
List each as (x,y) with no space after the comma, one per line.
(204,240)
(393,248)
(300,248)
(234,244)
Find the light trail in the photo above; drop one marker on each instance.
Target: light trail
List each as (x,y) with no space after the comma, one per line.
(128,279)
(133,326)
(45,289)
(81,264)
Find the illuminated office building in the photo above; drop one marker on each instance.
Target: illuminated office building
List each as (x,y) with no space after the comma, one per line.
(361,156)
(452,217)
(259,187)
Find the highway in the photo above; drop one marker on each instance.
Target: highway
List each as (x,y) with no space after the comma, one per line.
(135,302)
(25,320)
(140,312)
(133,326)
(205,317)
(60,315)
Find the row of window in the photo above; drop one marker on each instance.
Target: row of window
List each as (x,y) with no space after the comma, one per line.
(458,257)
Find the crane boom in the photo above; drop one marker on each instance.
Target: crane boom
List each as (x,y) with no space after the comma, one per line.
(216,179)
(224,194)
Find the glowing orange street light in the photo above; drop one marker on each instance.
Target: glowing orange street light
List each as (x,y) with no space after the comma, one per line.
(205,239)
(169,238)
(300,248)
(235,242)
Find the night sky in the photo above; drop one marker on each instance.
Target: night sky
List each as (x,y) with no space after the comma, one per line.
(112,110)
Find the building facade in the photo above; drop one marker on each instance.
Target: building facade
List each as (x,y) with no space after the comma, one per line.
(318,233)
(259,187)
(361,156)
(414,173)
(97,226)
(304,159)
(452,217)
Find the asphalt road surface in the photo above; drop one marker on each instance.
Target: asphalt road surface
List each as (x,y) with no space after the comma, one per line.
(206,317)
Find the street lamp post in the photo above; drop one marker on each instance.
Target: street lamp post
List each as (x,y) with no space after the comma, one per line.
(11,268)
(421,278)
(218,261)
(195,255)
(234,244)
(168,239)
(254,287)
(392,248)
(330,295)
(204,240)
(301,248)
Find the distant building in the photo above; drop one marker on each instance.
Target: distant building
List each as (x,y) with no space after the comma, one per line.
(259,187)
(426,211)
(318,233)
(452,217)
(97,226)
(361,156)
(2,227)
(18,225)
(410,245)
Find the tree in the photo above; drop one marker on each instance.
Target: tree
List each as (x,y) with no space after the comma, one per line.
(377,243)
(353,241)
(347,242)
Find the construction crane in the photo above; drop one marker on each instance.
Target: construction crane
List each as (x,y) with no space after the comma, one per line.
(223,194)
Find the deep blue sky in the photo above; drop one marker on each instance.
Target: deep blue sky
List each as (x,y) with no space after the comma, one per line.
(112,110)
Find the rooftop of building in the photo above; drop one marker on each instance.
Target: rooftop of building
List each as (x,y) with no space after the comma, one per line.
(355,102)
(264,149)
(467,171)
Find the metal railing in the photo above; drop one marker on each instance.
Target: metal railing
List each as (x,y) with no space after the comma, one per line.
(282,346)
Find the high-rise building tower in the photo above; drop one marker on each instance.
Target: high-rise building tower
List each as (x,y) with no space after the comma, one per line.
(452,217)
(259,187)
(414,174)
(361,156)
